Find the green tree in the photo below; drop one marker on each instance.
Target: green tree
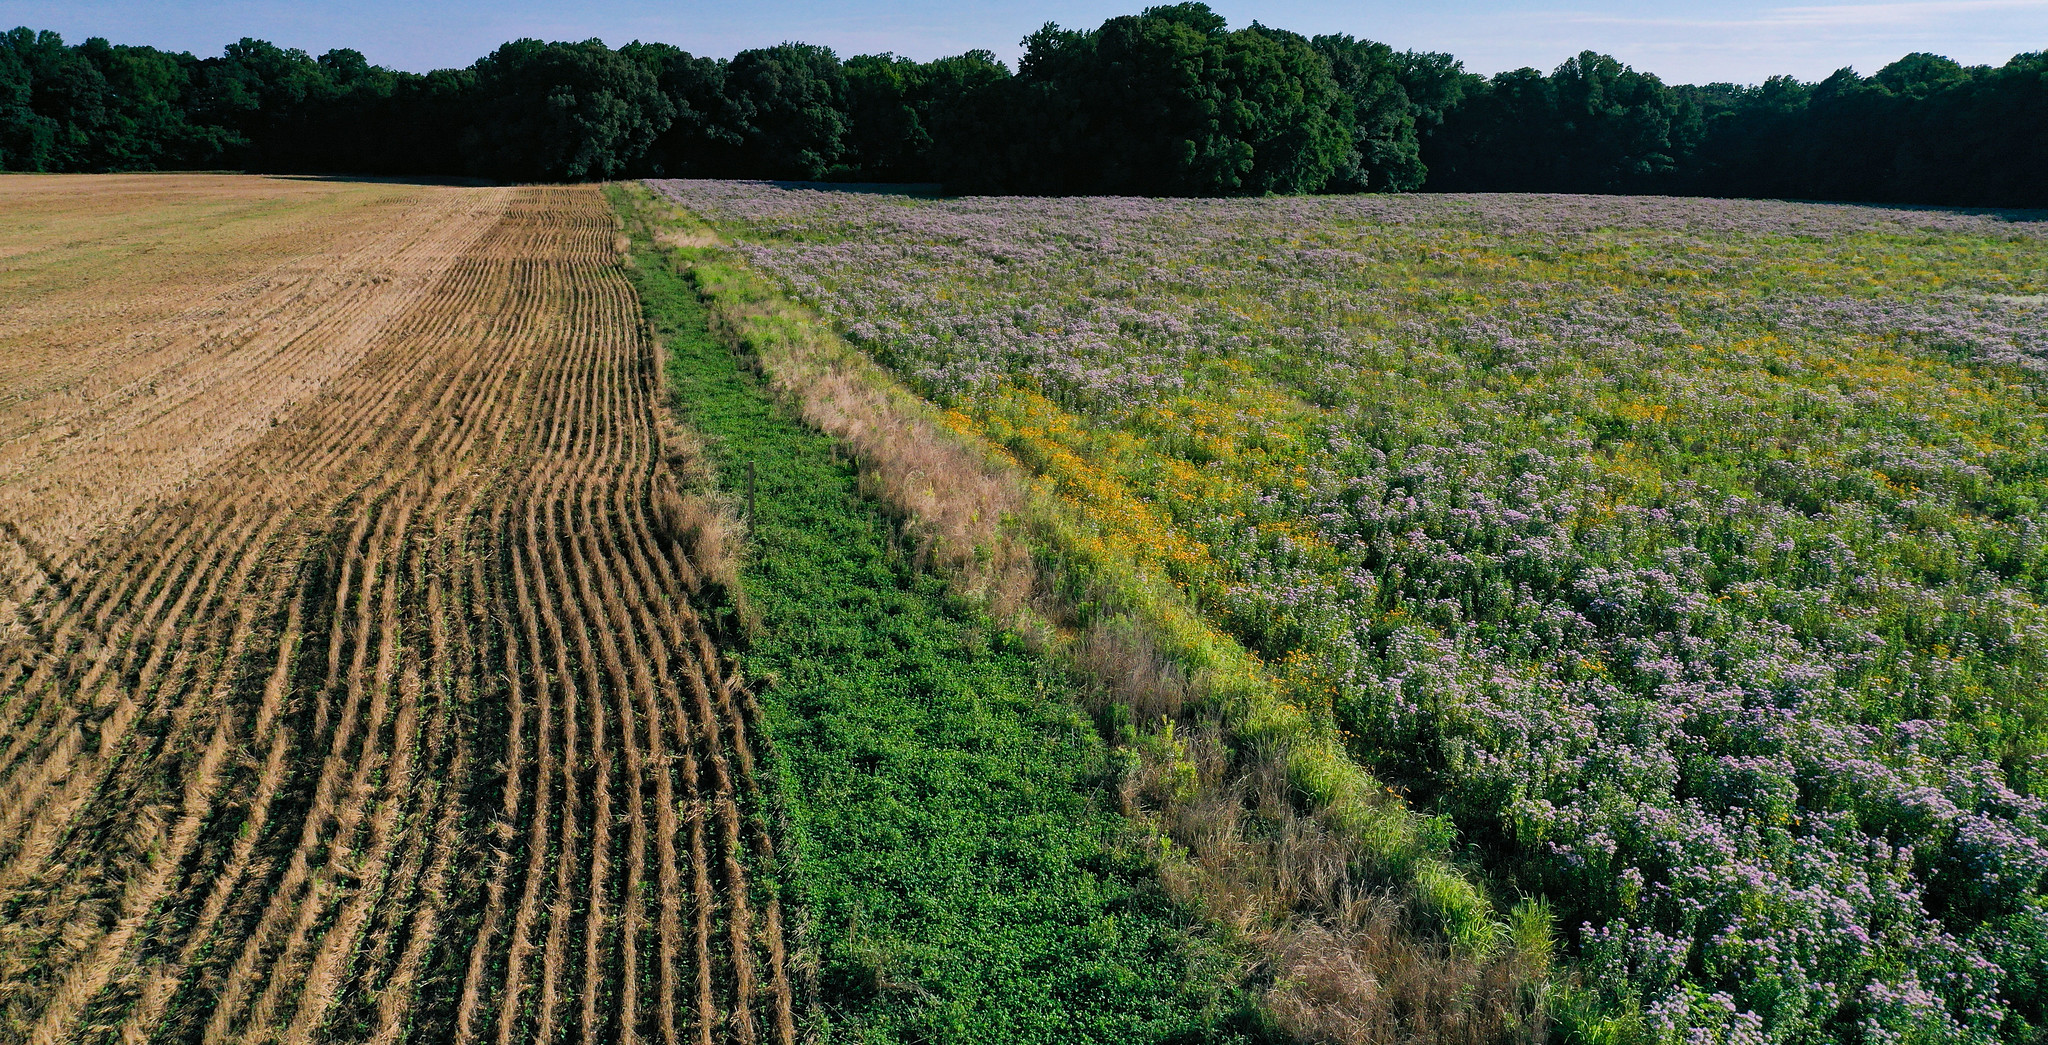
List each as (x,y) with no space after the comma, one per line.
(260,94)
(897,109)
(886,136)
(1435,84)
(562,112)
(1499,138)
(69,91)
(1747,134)
(1168,102)
(1386,155)
(791,103)
(951,101)
(421,126)
(704,136)
(1613,126)
(1996,132)
(28,139)
(1285,106)
(1593,125)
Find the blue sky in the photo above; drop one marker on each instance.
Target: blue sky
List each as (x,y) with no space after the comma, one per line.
(1680,41)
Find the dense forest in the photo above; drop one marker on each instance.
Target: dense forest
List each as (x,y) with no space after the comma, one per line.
(1167,102)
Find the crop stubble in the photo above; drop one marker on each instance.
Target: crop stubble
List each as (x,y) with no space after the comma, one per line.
(350,689)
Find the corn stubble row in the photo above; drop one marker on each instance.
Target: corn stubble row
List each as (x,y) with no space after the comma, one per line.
(395,723)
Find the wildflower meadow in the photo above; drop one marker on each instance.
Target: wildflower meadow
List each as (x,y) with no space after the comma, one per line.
(1686,556)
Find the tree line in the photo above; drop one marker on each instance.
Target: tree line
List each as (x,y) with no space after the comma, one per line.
(1170,101)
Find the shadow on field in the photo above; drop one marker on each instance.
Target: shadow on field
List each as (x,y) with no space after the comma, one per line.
(2017,216)
(383,179)
(877,188)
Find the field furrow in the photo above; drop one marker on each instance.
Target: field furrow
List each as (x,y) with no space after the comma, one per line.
(348,690)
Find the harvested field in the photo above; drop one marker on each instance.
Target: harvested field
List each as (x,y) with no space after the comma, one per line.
(350,688)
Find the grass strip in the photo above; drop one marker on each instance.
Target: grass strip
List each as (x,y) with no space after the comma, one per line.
(961,876)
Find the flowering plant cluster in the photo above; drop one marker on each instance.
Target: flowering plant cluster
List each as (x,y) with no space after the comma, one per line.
(1688,555)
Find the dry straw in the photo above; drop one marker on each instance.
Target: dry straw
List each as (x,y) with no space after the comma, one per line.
(255,693)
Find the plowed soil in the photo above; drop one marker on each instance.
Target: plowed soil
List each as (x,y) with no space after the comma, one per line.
(348,688)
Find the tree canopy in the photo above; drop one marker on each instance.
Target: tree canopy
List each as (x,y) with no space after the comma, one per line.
(562,112)
(1169,101)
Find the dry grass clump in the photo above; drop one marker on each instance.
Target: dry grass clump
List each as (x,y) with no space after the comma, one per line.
(1348,959)
(1362,931)
(674,238)
(1131,669)
(704,533)
(705,528)
(1368,985)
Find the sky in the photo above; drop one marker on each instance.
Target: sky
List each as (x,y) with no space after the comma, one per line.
(1682,41)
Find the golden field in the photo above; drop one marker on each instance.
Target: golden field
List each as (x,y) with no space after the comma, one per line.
(349,683)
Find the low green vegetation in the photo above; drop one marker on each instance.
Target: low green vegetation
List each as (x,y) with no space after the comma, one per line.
(960,875)
(1682,560)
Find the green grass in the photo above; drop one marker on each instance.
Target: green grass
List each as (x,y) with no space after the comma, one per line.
(959,875)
